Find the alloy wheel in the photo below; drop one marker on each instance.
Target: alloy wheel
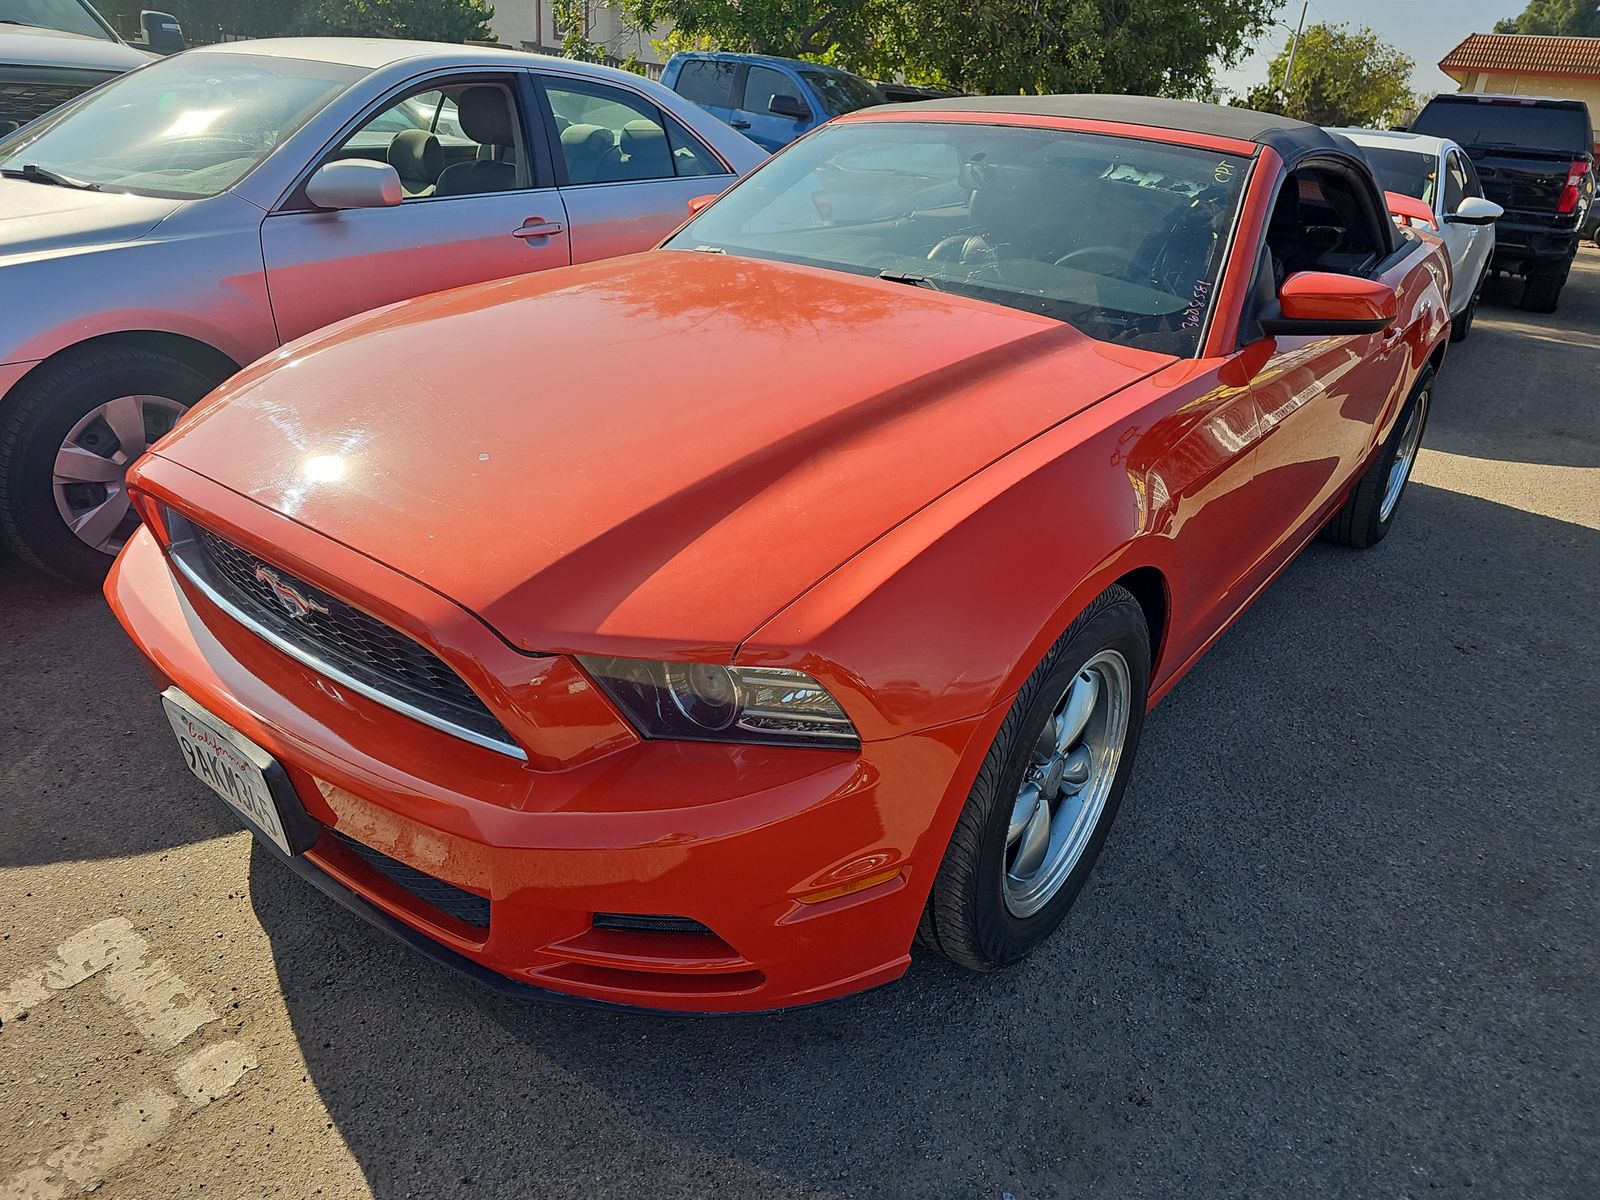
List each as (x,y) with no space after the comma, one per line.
(1069,777)
(91,467)
(1405,456)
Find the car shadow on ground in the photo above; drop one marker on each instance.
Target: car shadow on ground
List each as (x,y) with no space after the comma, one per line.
(82,734)
(1340,943)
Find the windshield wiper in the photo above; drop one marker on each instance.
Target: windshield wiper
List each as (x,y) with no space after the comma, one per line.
(34,173)
(910,279)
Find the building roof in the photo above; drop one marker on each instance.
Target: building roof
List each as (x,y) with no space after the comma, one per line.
(1288,137)
(1525,54)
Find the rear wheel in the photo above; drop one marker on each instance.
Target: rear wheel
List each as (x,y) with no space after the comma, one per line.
(68,434)
(1543,293)
(1047,793)
(1370,509)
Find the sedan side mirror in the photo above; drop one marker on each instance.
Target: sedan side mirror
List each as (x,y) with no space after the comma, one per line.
(1322,304)
(700,203)
(161,32)
(788,106)
(1475,210)
(354,183)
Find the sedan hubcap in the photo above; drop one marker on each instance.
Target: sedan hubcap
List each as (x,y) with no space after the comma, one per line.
(1405,456)
(1068,779)
(90,478)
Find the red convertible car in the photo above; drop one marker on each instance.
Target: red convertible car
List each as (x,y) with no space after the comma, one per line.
(698,629)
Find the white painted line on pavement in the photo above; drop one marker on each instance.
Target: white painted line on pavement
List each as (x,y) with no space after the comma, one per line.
(161,1006)
(213,1072)
(84,1163)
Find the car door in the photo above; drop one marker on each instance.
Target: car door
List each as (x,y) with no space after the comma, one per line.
(627,169)
(710,83)
(1318,401)
(753,115)
(479,204)
(1470,246)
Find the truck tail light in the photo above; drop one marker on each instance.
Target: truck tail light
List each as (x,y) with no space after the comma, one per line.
(1573,190)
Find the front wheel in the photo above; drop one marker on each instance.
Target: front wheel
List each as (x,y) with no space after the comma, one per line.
(1462,327)
(1369,511)
(1047,793)
(68,434)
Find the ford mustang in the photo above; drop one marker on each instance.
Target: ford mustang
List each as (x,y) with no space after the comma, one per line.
(698,629)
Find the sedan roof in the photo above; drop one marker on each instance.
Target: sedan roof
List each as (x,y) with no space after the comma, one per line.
(369,53)
(1292,139)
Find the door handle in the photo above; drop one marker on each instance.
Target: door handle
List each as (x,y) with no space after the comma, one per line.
(739,124)
(536,227)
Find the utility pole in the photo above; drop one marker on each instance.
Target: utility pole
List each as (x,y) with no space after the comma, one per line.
(1294,49)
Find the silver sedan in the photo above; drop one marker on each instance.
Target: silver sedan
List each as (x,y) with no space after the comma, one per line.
(169,227)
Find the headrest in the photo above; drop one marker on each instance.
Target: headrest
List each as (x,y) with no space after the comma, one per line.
(643,137)
(587,140)
(485,116)
(416,154)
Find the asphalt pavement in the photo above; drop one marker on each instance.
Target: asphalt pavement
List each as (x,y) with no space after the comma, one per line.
(1344,940)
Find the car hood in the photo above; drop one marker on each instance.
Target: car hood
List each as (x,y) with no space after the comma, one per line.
(654,453)
(40,218)
(35,47)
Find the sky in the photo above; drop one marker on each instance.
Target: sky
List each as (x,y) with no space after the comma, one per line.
(1427,30)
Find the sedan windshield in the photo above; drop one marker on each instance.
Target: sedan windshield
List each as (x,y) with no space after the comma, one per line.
(1120,237)
(1405,171)
(69,16)
(186,127)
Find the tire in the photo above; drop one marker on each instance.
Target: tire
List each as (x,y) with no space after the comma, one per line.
(1369,511)
(970,916)
(54,405)
(1543,293)
(1462,327)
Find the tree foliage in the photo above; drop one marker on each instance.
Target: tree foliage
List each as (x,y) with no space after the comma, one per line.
(1573,18)
(999,46)
(1342,76)
(430,20)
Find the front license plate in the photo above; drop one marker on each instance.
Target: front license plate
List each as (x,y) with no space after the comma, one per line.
(229,763)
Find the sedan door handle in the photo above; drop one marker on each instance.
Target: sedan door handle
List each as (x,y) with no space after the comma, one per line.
(739,124)
(537,227)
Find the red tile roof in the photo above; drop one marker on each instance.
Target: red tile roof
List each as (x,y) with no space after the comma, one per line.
(1520,53)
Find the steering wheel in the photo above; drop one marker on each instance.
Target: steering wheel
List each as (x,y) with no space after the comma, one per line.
(1098,260)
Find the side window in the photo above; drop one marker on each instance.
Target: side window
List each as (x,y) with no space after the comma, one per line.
(1322,223)
(1474,184)
(456,140)
(707,83)
(1455,183)
(761,85)
(612,136)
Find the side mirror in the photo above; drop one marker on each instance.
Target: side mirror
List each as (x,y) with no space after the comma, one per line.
(354,183)
(1321,304)
(700,203)
(788,106)
(161,32)
(1475,210)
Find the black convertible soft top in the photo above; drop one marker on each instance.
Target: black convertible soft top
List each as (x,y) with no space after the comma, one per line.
(1291,139)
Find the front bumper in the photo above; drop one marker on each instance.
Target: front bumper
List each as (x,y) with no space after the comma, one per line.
(747,841)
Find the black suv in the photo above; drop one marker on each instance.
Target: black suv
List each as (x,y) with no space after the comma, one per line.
(1535,156)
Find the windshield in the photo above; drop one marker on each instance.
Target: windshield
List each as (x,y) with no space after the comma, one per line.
(69,16)
(1507,123)
(841,93)
(1405,171)
(1122,238)
(183,128)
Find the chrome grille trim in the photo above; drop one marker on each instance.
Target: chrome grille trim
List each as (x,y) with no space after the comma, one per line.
(306,658)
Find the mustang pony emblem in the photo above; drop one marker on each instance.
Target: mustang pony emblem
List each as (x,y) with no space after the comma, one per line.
(297,606)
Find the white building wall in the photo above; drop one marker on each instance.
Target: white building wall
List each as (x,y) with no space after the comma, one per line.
(531,25)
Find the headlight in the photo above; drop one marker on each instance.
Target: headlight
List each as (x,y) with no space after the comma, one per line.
(706,702)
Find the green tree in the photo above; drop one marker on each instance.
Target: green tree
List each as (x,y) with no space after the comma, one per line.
(1574,18)
(1342,76)
(429,20)
(999,46)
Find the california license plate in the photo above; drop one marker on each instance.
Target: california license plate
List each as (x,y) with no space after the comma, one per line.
(229,763)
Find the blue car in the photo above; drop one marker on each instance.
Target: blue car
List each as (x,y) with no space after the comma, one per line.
(770,100)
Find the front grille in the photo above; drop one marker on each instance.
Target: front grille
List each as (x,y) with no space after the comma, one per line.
(464,906)
(328,632)
(22,102)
